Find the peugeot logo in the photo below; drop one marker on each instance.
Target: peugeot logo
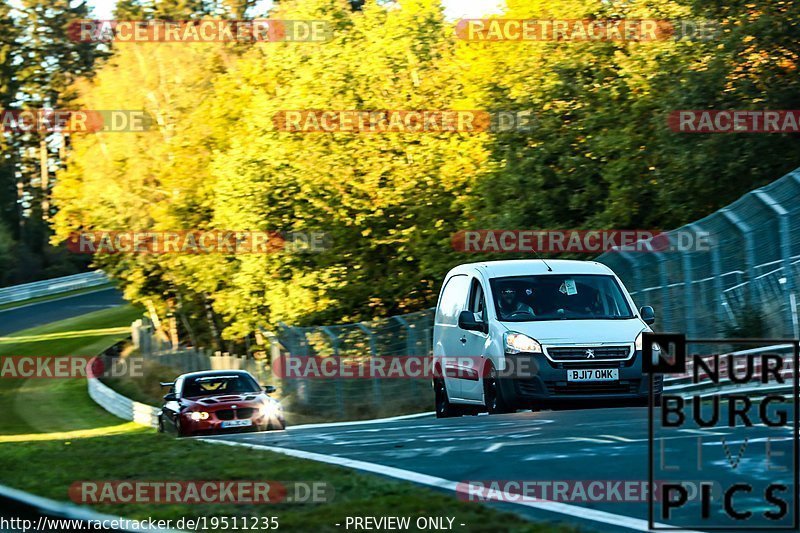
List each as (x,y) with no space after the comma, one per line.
(590,354)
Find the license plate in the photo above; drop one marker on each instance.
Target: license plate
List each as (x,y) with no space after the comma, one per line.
(237,423)
(593,374)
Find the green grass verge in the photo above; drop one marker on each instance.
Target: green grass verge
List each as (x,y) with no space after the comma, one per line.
(52,435)
(145,455)
(11,305)
(52,405)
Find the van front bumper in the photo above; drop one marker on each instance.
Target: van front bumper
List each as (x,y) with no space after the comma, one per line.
(547,380)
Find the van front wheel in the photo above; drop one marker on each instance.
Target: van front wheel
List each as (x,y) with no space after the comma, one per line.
(444,409)
(493,397)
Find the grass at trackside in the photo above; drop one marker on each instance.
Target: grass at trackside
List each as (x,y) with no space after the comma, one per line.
(52,435)
(145,455)
(50,405)
(39,299)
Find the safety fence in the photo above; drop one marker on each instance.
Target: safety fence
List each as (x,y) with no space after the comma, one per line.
(686,386)
(311,399)
(400,335)
(743,284)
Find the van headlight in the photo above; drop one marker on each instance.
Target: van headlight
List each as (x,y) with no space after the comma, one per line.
(517,342)
(639,342)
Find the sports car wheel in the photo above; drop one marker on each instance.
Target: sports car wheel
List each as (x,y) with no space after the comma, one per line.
(179,428)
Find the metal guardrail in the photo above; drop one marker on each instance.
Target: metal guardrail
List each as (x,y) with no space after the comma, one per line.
(684,385)
(50,287)
(122,406)
(748,270)
(43,512)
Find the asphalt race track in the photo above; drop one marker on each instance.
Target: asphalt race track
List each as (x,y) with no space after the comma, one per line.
(606,444)
(603,444)
(37,314)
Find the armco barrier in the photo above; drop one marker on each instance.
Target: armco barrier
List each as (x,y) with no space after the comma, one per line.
(684,386)
(50,287)
(45,515)
(121,406)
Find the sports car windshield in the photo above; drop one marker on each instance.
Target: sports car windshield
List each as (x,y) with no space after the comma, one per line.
(559,297)
(214,385)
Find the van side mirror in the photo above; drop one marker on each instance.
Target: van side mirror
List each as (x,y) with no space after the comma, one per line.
(171,397)
(468,321)
(269,389)
(647,314)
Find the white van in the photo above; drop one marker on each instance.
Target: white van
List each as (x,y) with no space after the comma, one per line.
(528,333)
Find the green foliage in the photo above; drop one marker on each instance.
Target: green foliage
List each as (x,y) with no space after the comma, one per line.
(599,156)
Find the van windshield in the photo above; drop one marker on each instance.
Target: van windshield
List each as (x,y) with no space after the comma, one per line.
(559,297)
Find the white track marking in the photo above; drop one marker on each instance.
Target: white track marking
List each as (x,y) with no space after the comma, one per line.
(622,439)
(589,439)
(441,451)
(584,513)
(707,432)
(362,422)
(494,447)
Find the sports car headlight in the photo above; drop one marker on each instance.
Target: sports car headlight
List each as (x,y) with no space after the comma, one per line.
(517,342)
(198,415)
(639,342)
(270,409)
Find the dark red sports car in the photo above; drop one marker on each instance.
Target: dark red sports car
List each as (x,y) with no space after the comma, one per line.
(218,401)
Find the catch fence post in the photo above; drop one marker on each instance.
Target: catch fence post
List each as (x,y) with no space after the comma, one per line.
(411,345)
(373,352)
(749,250)
(337,380)
(784,237)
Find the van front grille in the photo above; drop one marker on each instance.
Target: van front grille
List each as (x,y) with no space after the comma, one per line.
(588,353)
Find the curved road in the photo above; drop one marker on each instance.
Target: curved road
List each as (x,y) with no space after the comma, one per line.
(40,313)
(606,445)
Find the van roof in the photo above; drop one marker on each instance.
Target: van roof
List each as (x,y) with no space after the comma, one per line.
(527,267)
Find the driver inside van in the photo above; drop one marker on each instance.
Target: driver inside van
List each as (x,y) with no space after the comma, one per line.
(510,304)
